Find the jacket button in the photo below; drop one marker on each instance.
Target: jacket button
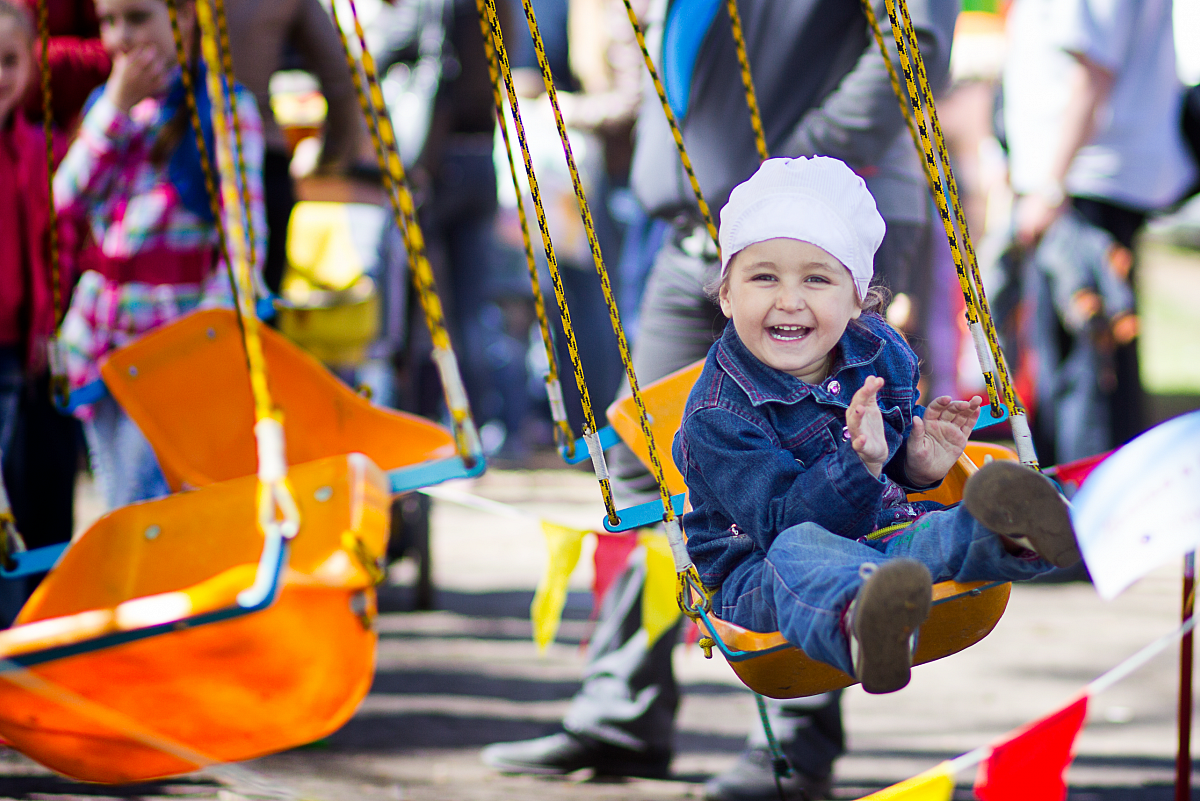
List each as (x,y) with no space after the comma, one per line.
(845,432)
(834,387)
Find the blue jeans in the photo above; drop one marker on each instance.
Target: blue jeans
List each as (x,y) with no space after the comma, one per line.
(123,463)
(810,575)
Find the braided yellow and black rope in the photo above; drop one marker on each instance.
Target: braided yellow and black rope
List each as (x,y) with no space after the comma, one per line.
(739,41)
(227,74)
(404,213)
(232,197)
(961,218)
(562,427)
(597,257)
(945,193)
(210,180)
(933,174)
(661,90)
(589,417)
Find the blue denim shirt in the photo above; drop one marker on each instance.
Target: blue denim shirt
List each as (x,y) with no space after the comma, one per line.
(762,450)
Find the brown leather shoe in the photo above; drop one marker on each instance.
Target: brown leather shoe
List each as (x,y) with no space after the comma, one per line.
(1022,504)
(891,605)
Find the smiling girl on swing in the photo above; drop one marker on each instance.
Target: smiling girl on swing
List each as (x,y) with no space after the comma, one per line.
(803,435)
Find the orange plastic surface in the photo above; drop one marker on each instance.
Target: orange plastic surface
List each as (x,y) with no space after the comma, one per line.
(187,387)
(199,694)
(790,673)
(959,623)
(664,399)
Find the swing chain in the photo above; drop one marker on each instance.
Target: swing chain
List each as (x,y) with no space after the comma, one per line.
(279,516)
(676,134)
(210,182)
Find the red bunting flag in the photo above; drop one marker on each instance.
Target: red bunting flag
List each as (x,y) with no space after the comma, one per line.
(1031,764)
(612,552)
(1072,474)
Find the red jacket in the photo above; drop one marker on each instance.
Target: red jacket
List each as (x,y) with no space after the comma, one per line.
(78,63)
(26,302)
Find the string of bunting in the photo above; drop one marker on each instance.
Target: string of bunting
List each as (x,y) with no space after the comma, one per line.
(1030,761)
(564,547)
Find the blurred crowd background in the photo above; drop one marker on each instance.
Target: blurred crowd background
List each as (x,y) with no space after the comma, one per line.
(1062,259)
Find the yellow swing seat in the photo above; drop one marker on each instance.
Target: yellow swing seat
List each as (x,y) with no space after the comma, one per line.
(963,614)
(134,659)
(186,386)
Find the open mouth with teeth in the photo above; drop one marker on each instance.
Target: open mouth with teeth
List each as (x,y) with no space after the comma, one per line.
(789,333)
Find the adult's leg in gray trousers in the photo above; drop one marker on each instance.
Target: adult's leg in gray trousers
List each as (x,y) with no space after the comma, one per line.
(629,695)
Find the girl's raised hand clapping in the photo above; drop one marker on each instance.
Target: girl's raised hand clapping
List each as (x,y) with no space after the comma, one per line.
(865,423)
(937,441)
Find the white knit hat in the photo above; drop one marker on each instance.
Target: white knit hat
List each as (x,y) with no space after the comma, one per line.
(817,200)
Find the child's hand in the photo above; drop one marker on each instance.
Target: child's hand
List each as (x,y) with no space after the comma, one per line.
(937,441)
(865,423)
(135,76)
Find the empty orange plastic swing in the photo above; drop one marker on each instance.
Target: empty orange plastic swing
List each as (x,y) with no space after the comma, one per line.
(135,658)
(186,386)
(963,614)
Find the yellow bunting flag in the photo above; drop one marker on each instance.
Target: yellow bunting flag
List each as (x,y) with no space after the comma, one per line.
(563,546)
(935,784)
(660,610)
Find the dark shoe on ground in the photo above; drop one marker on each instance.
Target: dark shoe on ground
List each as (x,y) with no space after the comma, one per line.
(1024,505)
(752,778)
(566,753)
(892,603)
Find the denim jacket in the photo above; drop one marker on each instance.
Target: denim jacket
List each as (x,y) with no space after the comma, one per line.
(762,451)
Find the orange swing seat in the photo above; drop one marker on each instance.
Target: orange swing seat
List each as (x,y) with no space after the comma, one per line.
(963,614)
(139,656)
(186,386)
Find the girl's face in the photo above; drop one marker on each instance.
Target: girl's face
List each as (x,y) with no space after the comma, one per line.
(16,64)
(790,302)
(130,25)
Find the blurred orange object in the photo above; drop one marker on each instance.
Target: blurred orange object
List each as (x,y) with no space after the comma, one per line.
(186,387)
(134,660)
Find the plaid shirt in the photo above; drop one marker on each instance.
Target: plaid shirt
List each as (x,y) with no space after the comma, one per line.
(108,181)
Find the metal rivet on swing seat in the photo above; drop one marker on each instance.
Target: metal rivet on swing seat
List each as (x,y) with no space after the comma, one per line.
(323,494)
(212,333)
(152,532)
(133,371)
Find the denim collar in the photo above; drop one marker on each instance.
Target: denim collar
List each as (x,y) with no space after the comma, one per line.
(858,346)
